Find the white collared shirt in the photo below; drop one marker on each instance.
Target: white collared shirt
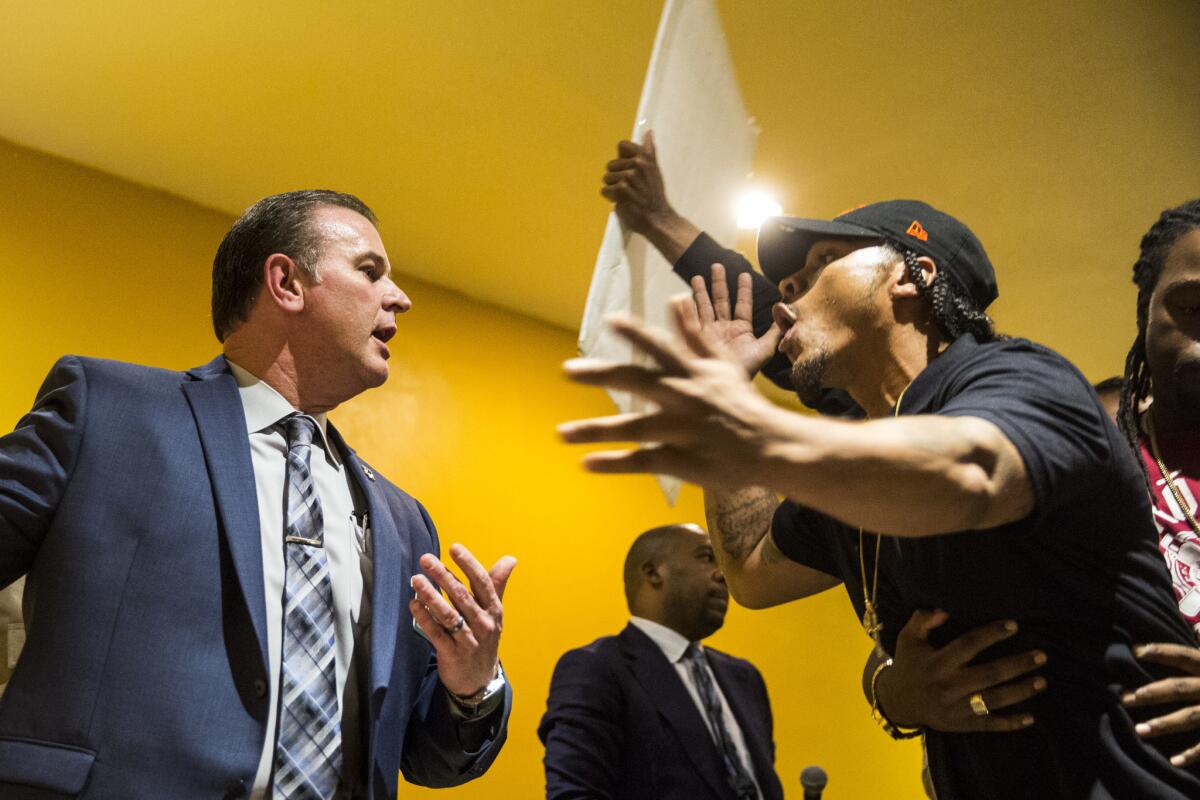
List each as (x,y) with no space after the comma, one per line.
(673,646)
(347,546)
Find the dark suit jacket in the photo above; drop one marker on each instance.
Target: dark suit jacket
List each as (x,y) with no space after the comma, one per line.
(620,724)
(128,496)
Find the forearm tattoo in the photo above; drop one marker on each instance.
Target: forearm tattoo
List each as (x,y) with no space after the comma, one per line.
(739,520)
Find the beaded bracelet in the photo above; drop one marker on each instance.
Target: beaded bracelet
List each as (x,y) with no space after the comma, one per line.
(877,714)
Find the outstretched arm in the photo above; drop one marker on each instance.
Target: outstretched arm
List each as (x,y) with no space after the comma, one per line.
(914,476)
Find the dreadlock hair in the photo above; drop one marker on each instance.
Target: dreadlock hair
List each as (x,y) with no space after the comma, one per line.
(950,307)
(1158,241)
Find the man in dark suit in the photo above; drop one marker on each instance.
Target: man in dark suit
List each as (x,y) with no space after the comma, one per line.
(223,599)
(651,713)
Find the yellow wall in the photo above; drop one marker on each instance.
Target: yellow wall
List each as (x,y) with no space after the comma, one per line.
(97,266)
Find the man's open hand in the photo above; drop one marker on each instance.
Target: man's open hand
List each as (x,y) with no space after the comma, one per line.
(710,427)
(1183,689)
(733,328)
(931,686)
(464,626)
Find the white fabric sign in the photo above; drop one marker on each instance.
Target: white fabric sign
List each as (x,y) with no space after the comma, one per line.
(705,142)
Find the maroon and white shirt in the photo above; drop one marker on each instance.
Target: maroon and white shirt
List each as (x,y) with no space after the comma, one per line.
(1177,540)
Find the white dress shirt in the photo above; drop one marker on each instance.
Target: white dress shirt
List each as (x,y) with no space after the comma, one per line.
(673,645)
(347,546)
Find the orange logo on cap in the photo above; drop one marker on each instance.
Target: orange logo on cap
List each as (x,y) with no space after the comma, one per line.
(916,230)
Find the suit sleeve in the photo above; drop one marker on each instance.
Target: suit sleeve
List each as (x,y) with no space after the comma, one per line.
(36,460)
(443,749)
(581,730)
(698,260)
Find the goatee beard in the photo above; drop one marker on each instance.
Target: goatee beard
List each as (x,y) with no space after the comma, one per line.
(808,378)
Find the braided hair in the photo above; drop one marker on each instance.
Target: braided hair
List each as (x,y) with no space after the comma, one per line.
(1158,241)
(950,307)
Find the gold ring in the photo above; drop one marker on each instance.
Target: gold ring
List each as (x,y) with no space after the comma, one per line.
(978,707)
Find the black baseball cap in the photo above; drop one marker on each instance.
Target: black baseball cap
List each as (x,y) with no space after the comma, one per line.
(784,242)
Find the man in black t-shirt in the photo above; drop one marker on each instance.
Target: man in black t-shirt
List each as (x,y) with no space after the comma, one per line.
(1003,492)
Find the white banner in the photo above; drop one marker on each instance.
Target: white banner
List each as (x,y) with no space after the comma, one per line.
(705,142)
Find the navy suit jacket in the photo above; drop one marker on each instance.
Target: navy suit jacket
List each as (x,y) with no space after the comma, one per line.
(620,725)
(127,494)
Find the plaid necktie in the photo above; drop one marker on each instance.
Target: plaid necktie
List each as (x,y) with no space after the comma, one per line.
(308,752)
(742,784)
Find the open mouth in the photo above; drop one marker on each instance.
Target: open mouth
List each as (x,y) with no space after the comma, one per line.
(383,335)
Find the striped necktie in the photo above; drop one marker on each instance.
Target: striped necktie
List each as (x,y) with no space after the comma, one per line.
(741,783)
(308,752)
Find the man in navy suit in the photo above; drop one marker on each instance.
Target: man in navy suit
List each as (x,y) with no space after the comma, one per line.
(223,599)
(651,713)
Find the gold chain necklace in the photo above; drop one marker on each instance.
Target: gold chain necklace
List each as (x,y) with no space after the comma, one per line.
(870,618)
(1162,468)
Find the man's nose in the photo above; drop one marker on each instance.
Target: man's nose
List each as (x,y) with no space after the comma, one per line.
(784,316)
(395,300)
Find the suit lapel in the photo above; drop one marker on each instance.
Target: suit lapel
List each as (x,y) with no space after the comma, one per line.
(221,423)
(391,560)
(663,686)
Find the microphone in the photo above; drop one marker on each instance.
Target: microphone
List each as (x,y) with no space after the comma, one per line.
(813,779)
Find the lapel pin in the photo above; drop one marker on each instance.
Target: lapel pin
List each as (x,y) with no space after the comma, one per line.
(367,471)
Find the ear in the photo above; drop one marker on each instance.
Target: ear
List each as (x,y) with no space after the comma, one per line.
(282,283)
(902,283)
(651,574)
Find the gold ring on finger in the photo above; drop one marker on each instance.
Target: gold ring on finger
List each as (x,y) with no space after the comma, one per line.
(978,707)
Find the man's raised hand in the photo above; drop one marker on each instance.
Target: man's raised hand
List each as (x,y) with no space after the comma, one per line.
(634,183)
(465,625)
(711,426)
(733,328)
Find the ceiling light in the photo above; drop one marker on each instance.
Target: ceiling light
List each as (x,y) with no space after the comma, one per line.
(754,206)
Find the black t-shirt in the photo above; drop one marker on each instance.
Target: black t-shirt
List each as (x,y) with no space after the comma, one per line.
(1081,575)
